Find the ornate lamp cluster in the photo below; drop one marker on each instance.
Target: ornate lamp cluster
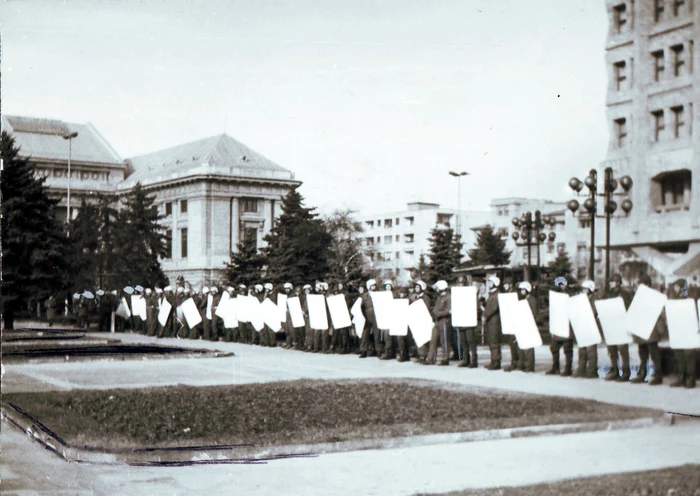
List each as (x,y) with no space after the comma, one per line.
(531,227)
(610,206)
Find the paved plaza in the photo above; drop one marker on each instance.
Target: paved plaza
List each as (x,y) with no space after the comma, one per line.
(29,469)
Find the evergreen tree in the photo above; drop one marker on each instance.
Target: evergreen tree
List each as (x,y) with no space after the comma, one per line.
(445,254)
(140,241)
(33,241)
(83,248)
(490,249)
(345,256)
(246,265)
(422,271)
(562,266)
(298,244)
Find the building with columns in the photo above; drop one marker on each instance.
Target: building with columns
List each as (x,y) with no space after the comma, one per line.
(212,192)
(653,105)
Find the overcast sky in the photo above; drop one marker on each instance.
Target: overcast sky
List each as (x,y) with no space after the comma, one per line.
(369,102)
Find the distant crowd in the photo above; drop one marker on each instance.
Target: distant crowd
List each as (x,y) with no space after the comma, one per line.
(164,316)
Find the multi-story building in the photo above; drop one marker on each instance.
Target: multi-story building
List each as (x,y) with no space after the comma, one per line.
(653,104)
(212,192)
(394,241)
(94,165)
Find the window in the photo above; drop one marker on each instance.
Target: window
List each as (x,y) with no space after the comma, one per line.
(503,232)
(677,7)
(388,223)
(621,131)
(249,205)
(398,238)
(370,224)
(183,243)
(168,208)
(561,247)
(409,220)
(387,240)
(444,219)
(409,256)
(369,241)
(387,256)
(584,222)
(658,9)
(183,206)
(678,121)
(379,223)
(620,69)
(550,248)
(397,221)
(678,60)
(168,243)
(620,15)
(408,238)
(675,189)
(658,57)
(398,255)
(658,116)
(379,240)
(251,233)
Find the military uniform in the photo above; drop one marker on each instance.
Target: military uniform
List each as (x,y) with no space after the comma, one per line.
(588,355)
(341,337)
(559,342)
(441,329)
(492,325)
(619,351)
(510,339)
(526,358)
(649,348)
(686,360)
(371,343)
(423,351)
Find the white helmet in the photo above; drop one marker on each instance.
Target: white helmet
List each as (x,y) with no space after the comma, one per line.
(496,281)
(589,285)
(526,286)
(422,285)
(371,283)
(440,285)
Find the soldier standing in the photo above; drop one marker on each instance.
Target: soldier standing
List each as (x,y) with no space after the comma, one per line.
(559,342)
(389,345)
(492,323)
(526,358)
(420,294)
(371,331)
(686,360)
(341,337)
(440,340)
(510,339)
(50,310)
(267,335)
(588,355)
(650,347)
(623,350)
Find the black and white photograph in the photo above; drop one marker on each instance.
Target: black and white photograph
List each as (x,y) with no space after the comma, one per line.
(350,247)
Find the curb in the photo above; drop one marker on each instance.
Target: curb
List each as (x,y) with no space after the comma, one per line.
(246,454)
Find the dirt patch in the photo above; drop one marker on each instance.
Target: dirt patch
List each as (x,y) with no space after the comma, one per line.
(677,481)
(295,412)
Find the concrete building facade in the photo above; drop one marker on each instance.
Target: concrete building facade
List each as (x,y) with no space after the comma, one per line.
(211,192)
(653,104)
(394,241)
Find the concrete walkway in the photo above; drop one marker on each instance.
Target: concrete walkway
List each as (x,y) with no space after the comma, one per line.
(26,468)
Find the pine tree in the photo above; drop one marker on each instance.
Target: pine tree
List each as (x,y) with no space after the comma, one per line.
(298,244)
(445,254)
(33,241)
(422,271)
(246,265)
(562,266)
(83,247)
(140,241)
(345,256)
(490,249)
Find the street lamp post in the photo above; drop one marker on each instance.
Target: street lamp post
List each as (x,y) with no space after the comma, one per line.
(69,137)
(459,175)
(531,227)
(609,208)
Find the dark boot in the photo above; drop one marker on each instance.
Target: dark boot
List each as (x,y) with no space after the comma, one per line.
(555,364)
(680,381)
(656,380)
(493,366)
(613,375)
(567,368)
(625,374)
(641,374)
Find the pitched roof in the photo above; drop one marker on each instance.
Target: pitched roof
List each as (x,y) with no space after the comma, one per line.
(216,155)
(42,139)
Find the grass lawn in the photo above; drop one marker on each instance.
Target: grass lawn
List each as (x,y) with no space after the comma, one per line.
(678,481)
(295,412)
